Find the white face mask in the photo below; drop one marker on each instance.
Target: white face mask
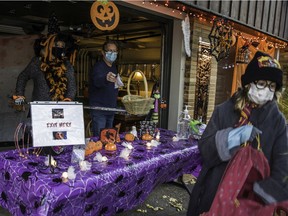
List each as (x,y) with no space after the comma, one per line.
(260,96)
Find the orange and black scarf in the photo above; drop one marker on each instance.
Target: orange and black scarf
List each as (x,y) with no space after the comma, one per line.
(56,79)
(54,70)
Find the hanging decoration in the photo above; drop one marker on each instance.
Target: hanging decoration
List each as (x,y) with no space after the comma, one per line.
(220,39)
(243,53)
(186,32)
(105,15)
(202,83)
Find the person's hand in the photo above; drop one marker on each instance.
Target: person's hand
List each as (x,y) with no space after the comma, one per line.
(255,132)
(241,135)
(111,77)
(18,100)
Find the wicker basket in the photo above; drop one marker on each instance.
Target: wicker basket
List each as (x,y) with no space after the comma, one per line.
(136,104)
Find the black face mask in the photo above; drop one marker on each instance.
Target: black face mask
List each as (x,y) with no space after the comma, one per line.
(58,52)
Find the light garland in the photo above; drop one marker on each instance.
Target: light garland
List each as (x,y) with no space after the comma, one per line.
(228,66)
(259,39)
(180,10)
(185,10)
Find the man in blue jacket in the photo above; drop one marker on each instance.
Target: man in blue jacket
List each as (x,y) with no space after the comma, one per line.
(103,89)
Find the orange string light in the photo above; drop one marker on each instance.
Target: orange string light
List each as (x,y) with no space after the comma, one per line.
(182,9)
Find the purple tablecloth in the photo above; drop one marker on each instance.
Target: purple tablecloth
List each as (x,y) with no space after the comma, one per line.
(114,186)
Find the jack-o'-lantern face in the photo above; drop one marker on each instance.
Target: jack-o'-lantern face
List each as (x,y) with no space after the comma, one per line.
(105,16)
(108,135)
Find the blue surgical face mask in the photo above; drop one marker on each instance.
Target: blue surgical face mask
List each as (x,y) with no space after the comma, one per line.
(111,56)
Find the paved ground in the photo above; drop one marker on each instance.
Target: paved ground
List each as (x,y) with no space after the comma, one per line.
(169,199)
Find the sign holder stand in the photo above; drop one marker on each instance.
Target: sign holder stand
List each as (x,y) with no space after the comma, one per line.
(50,168)
(50,119)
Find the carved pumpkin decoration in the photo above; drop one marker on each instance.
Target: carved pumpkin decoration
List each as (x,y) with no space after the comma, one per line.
(108,135)
(105,15)
(163,104)
(129,137)
(92,147)
(110,147)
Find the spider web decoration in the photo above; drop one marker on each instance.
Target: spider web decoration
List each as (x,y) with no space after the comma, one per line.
(220,39)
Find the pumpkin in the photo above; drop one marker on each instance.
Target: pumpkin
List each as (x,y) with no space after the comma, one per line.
(163,105)
(147,137)
(129,137)
(110,147)
(92,147)
(108,135)
(105,16)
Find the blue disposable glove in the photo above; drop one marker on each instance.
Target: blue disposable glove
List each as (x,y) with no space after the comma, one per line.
(241,135)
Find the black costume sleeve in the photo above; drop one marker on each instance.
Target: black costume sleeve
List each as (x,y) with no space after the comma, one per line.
(24,77)
(71,89)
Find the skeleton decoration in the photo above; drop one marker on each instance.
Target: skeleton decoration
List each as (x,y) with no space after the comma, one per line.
(220,39)
(104,15)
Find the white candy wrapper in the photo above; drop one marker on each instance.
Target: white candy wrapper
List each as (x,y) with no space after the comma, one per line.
(175,139)
(84,165)
(98,157)
(71,173)
(125,153)
(127,145)
(118,82)
(78,153)
(154,143)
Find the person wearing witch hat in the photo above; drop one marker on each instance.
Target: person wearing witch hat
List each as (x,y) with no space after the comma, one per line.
(51,69)
(251,112)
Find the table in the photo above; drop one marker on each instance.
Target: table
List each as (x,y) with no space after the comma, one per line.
(108,188)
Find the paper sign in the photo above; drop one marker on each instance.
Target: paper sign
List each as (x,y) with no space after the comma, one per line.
(57,123)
